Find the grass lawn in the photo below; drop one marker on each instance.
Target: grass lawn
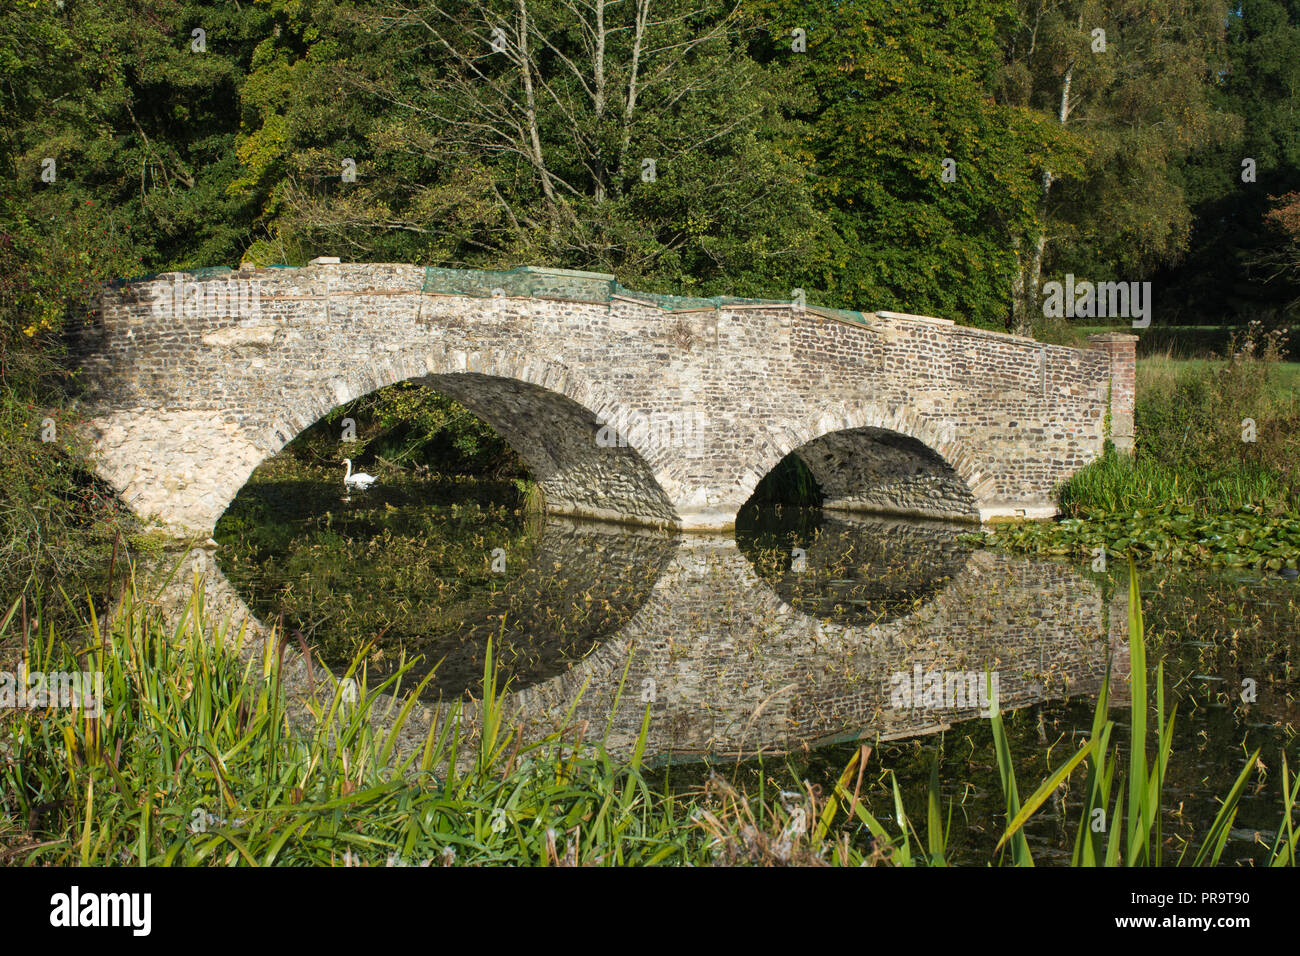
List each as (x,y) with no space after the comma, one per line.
(1161,369)
(1164,352)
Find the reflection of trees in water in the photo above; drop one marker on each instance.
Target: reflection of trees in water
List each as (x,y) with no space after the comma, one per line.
(348,569)
(730,647)
(408,565)
(850,568)
(579,587)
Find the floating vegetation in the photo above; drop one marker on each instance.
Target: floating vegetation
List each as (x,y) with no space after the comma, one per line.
(1247,537)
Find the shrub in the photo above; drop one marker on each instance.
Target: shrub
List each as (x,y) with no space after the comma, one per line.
(1194,420)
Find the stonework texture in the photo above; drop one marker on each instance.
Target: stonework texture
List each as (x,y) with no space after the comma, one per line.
(622,409)
(727,665)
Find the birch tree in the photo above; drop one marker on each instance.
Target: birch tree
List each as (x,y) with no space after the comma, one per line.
(634,135)
(1129,80)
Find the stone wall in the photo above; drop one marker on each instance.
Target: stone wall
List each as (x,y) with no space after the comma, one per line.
(191,384)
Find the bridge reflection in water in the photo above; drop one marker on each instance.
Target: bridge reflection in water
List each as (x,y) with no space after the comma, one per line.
(789,633)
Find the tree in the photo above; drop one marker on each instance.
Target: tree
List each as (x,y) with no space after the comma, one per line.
(115,150)
(1235,268)
(929,179)
(628,136)
(1284,218)
(1130,79)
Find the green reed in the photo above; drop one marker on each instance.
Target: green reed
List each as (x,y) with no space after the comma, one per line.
(1110,832)
(194,760)
(1117,483)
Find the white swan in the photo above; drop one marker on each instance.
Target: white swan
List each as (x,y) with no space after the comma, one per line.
(360,481)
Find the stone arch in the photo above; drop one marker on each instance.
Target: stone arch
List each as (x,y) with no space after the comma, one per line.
(620,480)
(185,468)
(922,439)
(623,478)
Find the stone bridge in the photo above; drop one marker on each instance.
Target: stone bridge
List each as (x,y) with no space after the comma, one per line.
(658,410)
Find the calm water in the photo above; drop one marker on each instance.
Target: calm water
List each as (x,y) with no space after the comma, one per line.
(770,654)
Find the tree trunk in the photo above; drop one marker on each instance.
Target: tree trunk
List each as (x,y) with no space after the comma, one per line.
(1028,283)
(534,137)
(629,106)
(598,105)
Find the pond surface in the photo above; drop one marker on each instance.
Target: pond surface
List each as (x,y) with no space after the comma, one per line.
(772,653)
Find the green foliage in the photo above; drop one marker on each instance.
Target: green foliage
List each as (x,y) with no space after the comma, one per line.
(1135,111)
(534,153)
(136,123)
(1237,267)
(133,135)
(56,519)
(1116,484)
(409,423)
(897,88)
(775,168)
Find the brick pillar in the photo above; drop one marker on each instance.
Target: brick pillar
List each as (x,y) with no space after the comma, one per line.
(1121,350)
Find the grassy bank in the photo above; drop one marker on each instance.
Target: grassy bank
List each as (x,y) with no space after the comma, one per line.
(1161,372)
(192,762)
(1215,474)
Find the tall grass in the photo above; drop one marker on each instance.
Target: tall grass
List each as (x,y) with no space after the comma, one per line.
(1214,435)
(1118,483)
(195,761)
